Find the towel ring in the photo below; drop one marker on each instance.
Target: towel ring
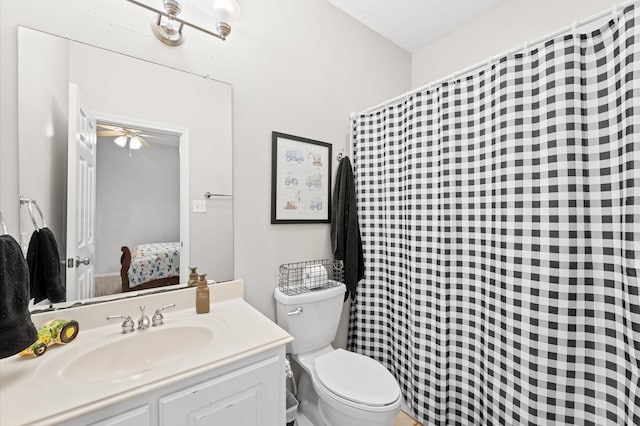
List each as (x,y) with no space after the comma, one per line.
(33,219)
(4,226)
(30,203)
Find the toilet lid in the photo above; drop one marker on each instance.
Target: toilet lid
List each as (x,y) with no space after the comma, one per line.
(357,378)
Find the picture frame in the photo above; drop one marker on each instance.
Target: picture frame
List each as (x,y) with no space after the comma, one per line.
(300,180)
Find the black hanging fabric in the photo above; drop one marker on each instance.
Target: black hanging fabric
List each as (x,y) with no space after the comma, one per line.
(346,243)
(43,259)
(16,329)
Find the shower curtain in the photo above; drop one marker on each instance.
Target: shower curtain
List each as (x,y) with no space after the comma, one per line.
(500,225)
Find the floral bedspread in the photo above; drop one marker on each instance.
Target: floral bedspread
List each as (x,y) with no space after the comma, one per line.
(153,261)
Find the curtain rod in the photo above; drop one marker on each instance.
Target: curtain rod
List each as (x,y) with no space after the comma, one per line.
(466,71)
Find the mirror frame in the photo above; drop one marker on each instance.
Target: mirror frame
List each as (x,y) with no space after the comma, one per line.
(185,184)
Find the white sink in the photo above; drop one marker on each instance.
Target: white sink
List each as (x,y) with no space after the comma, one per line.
(136,353)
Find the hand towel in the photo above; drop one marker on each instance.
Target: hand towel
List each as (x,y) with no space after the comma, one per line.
(16,329)
(43,259)
(345,230)
(314,276)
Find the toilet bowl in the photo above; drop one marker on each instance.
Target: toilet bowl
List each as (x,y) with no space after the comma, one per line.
(352,389)
(336,387)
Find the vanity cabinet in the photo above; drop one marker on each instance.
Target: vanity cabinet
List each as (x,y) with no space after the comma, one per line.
(245,393)
(222,368)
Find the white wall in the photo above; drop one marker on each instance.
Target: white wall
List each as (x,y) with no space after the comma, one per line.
(138,199)
(299,67)
(506,27)
(46,129)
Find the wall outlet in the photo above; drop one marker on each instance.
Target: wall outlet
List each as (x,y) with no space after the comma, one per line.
(199,206)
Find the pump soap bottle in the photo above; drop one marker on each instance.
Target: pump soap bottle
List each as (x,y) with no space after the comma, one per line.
(193,276)
(202,295)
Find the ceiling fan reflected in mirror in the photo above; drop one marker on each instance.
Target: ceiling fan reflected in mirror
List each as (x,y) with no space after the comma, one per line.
(125,136)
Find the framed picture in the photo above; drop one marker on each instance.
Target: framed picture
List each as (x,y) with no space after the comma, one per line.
(300,180)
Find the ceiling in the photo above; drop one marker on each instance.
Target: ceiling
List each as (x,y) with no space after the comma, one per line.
(158,137)
(413,24)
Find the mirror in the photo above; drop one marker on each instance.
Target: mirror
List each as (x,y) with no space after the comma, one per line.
(150,196)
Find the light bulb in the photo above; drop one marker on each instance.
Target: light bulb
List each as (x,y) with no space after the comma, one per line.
(226,11)
(135,143)
(121,141)
(173,7)
(171,27)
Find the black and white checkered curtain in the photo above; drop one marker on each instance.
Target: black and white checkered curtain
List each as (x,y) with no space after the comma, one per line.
(500,223)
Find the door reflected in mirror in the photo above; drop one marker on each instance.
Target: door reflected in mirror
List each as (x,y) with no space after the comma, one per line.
(160,148)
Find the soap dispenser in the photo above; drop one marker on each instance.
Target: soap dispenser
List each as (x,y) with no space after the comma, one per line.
(193,277)
(202,295)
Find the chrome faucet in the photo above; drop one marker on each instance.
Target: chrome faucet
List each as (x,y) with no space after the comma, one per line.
(127,325)
(157,318)
(144,322)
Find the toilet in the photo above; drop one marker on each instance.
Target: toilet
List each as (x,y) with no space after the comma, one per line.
(336,387)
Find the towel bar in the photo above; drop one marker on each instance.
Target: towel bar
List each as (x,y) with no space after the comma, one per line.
(208,195)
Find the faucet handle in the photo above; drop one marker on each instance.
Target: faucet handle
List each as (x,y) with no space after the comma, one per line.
(127,325)
(157,316)
(144,321)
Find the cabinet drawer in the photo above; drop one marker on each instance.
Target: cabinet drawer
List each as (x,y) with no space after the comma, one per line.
(245,397)
(137,417)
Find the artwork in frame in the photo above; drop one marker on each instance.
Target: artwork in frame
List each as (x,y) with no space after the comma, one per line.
(300,180)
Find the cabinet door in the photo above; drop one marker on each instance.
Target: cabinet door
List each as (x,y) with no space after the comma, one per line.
(249,396)
(137,417)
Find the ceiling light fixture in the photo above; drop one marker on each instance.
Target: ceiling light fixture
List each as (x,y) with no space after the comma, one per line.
(121,141)
(135,143)
(167,26)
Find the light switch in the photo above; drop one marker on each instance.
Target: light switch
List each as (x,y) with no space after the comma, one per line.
(199,206)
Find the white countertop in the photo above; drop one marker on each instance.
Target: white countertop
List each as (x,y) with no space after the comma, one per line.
(34,392)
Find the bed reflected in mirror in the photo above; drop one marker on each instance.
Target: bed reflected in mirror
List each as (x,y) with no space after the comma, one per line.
(149,266)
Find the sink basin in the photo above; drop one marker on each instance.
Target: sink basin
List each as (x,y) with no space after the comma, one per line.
(135,353)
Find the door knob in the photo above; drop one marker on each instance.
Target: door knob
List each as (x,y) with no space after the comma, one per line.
(85,261)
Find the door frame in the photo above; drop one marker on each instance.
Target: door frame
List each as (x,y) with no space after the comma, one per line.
(185,158)
(80,284)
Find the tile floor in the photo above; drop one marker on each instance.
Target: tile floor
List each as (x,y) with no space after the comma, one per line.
(403,419)
(107,285)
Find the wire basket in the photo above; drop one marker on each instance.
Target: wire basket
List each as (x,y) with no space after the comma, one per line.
(302,277)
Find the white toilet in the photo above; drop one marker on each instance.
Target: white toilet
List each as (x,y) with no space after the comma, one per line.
(336,387)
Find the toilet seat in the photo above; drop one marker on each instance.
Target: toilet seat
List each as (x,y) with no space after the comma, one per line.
(356,378)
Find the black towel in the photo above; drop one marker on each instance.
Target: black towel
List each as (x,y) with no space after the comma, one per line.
(43,259)
(16,329)
(345,230)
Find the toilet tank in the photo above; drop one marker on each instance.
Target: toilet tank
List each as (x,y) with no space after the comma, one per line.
(311,318)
